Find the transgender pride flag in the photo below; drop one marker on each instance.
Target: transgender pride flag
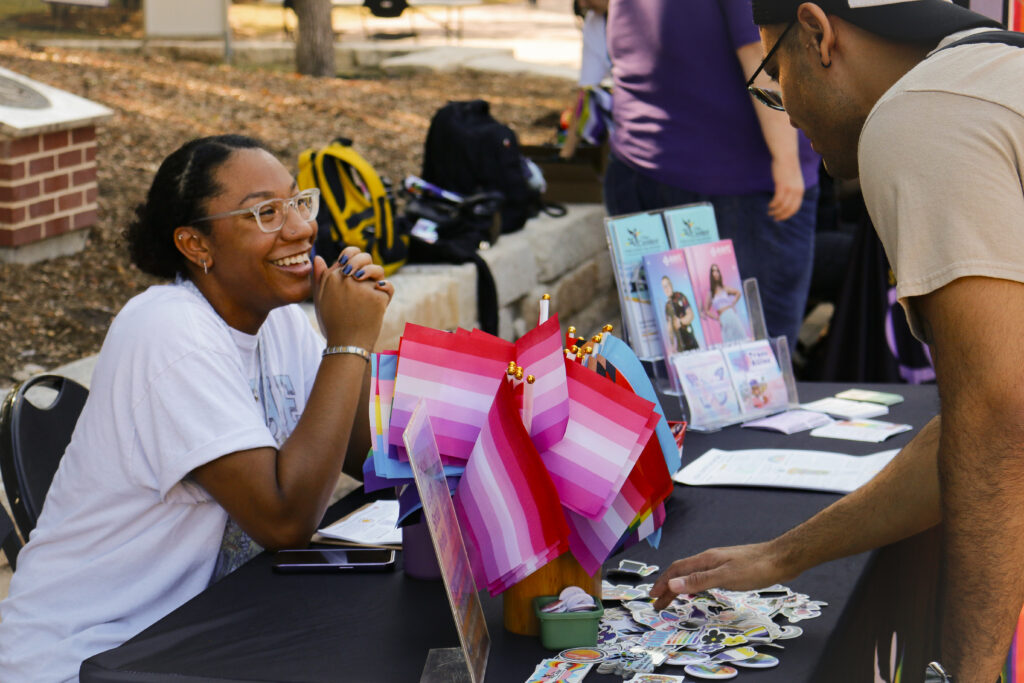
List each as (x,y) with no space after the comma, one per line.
(507,506)
(456,374)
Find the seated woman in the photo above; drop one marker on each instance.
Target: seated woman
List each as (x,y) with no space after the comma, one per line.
(216,423)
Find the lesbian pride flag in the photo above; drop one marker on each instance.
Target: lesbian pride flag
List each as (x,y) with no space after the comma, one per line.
(506,503)
(384,469)
(607,430)
(540,354)
(635,511)
(457,375)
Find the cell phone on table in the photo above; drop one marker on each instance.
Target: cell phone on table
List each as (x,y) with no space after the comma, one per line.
(334,560)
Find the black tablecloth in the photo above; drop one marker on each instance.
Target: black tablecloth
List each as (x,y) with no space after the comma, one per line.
(259,626)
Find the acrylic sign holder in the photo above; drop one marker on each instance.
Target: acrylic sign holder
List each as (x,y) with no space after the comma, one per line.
(450,550)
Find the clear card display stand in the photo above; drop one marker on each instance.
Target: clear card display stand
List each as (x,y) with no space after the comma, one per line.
(658,372)
(445,665)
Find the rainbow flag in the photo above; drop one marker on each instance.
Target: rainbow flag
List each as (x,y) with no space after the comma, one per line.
(506,503)
(1013,669)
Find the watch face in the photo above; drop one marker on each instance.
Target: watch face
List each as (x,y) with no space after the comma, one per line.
(936,674)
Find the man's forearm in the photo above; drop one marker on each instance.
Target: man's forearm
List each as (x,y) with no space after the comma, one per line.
(983,580)
(902,500)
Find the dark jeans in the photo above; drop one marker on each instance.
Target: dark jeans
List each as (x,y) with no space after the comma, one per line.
(779,254)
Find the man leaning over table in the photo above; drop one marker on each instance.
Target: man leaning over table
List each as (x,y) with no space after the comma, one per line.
(937,139)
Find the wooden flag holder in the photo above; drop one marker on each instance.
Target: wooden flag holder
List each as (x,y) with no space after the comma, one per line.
(550,579)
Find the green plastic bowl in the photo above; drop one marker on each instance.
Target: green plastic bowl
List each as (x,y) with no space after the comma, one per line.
(562,630)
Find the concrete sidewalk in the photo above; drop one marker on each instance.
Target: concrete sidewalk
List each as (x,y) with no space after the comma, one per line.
(546,33)
(514,37)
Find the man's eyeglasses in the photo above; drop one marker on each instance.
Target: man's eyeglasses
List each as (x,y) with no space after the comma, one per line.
(271,214)
(769,97)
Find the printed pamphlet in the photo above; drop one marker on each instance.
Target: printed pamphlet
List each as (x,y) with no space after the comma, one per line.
(630,238)
(790,422)
(883,397)
(691,224)
(757,378)
(719,291)
(782,468)
(675,310)
(872,431)
(708,388)
(845,409)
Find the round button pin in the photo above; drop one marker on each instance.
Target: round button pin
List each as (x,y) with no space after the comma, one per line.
(711,671)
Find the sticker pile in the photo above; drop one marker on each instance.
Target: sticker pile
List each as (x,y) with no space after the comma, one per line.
(711,635)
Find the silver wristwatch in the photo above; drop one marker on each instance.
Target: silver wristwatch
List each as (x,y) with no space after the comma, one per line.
(936,674)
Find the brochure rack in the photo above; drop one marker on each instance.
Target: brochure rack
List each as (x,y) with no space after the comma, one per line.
(738,373)
(779,346)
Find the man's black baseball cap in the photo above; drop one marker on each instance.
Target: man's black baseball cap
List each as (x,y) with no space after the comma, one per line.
(910,21)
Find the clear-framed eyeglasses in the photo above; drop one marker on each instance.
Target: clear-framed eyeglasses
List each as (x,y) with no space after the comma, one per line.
(270,215)
(769,97)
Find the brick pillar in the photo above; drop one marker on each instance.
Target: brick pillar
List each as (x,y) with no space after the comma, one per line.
(48,186)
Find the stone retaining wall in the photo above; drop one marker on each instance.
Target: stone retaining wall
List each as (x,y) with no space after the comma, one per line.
(565,257)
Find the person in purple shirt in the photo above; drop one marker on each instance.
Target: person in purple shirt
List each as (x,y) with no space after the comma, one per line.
(687,130)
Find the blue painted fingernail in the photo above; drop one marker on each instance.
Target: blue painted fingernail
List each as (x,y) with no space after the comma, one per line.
(347,269)
(344,259)
(359,273)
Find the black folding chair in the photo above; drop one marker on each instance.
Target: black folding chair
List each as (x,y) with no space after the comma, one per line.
(9,540)
(32,442)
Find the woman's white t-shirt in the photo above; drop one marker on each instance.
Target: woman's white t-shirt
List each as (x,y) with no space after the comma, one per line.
(125,536)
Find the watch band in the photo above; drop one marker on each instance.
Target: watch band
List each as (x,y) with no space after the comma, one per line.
(354,350)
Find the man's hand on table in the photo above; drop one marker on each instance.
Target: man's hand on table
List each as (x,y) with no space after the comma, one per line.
(739,567)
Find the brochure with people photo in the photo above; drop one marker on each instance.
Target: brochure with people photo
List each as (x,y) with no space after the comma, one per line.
(630,238)
(708,388)
(675,309)
(719,291)
(691,224)
(757,378)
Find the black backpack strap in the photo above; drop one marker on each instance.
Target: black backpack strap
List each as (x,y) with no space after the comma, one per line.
(450,251)
(554,209)
(1014,38)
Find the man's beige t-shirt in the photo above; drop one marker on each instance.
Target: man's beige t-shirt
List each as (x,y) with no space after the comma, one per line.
(942,170)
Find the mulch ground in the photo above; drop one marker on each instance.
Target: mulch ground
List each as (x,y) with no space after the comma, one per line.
(58,311)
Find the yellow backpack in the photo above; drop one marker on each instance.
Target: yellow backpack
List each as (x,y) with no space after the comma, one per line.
(355,207)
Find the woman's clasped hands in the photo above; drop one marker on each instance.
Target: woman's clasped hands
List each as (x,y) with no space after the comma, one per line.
(350,297)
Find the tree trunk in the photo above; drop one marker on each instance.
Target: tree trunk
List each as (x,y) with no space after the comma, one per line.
(314,46)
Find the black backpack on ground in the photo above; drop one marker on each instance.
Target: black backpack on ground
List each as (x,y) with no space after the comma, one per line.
(460,225)
(469,152)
